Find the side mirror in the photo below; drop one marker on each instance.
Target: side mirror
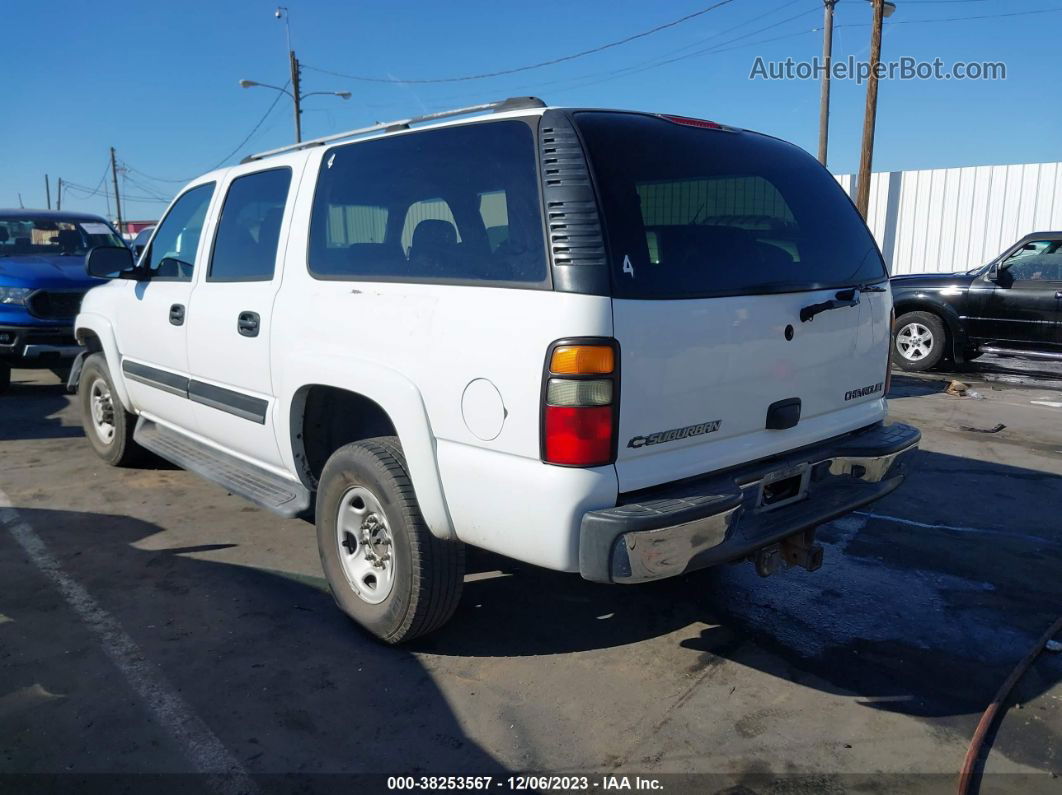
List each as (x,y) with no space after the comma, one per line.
(110,262)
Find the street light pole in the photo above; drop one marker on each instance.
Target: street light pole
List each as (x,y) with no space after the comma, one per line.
(866,154)
(296,95)
(824,93)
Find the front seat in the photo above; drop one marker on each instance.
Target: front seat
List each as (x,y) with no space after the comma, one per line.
(433,248)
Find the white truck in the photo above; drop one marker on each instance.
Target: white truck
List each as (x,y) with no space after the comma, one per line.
(628,345)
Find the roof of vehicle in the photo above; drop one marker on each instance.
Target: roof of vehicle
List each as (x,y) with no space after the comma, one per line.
(55,215)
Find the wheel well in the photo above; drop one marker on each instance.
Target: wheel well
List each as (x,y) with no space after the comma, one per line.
(89,340)
(949,332)
(324,418)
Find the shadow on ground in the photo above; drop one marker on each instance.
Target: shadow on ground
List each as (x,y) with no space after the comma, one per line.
(266,660)
(30,410)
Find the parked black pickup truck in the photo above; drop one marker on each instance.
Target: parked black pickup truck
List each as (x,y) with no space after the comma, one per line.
(1012,305)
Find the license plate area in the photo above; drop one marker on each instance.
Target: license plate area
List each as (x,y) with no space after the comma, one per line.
(783,487)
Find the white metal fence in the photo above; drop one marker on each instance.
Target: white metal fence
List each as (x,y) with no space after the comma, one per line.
(949,219)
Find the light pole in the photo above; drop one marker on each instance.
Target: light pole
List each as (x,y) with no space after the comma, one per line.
(882,8)
(296,89)
(824,92)
(296,98)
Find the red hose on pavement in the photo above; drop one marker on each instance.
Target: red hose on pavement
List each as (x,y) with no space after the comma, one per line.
(966,777)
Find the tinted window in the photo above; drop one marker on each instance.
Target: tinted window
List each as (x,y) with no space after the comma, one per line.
(693,212)
(66,237)
(455,204)
(245,248)
(172,252)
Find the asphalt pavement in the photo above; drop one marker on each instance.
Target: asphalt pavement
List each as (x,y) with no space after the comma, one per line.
(151,623)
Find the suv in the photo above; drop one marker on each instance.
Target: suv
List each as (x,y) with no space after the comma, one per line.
(42,280)
(620,344)
(1011,306)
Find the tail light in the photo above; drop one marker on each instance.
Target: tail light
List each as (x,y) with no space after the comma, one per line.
(888,358)
(580,401)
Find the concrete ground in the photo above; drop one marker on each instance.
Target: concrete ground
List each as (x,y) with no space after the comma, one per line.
(151,623)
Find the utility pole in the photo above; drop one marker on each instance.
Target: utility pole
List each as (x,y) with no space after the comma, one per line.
(824,93)
(47,192)
(59,195)
(117,204)
(296,94)
(866,154)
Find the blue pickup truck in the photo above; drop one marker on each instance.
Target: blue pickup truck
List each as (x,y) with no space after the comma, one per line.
(42,280)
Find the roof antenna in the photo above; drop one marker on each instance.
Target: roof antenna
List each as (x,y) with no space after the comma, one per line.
(20,204)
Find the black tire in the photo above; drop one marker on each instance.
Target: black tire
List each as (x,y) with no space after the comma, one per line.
(5,377)
(427,573)
(927,353)
(118,449)
(970,355)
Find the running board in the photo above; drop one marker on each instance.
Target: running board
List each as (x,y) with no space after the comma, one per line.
(1021,352)
(277,494)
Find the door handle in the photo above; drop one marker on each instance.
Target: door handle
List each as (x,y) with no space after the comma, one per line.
(177,314)
(1058,294)
(248,323)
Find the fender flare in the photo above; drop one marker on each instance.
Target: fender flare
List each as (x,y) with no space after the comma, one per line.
(925,302)
(102,329)
(400,398)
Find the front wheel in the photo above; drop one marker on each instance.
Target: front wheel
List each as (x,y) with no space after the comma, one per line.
(919,340)
(108,426)
(384,567)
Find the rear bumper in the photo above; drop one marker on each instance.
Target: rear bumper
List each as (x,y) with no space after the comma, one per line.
(669,530)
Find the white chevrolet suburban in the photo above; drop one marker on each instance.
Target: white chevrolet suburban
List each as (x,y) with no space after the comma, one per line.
(628,345)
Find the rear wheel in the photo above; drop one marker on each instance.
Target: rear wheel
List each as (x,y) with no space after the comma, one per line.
(108,426)
(385,568)
(919,341)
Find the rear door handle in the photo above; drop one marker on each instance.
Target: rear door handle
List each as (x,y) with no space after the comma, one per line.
(1058,294)
(248,323)
(177,314)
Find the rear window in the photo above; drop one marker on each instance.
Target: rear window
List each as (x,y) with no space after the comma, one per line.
(457,204)
(693,212)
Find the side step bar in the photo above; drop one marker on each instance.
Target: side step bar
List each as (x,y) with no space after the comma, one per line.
(1049,355)
(277,494)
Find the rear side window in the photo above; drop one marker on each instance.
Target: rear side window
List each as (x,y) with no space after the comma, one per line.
(458,204)
(693,212)
(245,248)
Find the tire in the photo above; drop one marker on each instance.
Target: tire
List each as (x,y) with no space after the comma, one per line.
(404,582)
(918,341)
(108,426)
(970,355)
(5,377)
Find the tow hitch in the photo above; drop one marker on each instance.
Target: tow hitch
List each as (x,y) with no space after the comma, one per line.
(798,549)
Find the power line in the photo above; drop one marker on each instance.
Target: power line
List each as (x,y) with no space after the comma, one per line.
(892,22)
(539,65)
(254,129)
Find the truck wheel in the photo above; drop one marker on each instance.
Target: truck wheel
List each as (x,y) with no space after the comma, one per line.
(5,377)
(108,426)
(385,568)
(919,341)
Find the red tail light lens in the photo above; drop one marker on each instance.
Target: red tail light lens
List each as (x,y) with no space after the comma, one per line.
(888,359)
(577,436)
(580,394)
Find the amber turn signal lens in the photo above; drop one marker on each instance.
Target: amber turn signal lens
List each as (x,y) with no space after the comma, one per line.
(582,360)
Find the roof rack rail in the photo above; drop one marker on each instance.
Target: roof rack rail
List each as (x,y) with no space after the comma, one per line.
(501,106)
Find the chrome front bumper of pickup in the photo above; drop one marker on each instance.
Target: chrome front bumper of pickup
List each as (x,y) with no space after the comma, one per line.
(683,527)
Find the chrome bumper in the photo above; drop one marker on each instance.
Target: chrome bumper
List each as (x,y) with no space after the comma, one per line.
(677,528)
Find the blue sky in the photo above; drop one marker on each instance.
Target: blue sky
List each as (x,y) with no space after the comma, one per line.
(158,80)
